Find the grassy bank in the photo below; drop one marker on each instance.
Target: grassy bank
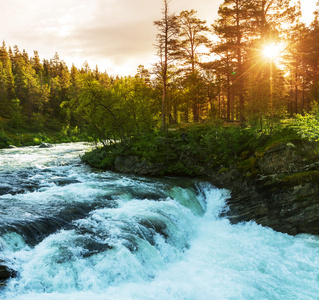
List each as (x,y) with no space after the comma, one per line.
(31,135)
(196,149)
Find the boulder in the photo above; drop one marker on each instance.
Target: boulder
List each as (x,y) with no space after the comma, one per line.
(280,159)
(6,272)
(45,145)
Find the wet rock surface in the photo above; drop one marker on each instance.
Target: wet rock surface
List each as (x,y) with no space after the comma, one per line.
(5,272)
(287,209)
(269,198)
(45,145)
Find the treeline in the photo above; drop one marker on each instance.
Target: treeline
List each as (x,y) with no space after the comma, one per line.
(37,94)
(240,84)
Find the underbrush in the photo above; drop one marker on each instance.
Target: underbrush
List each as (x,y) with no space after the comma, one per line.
(193,149)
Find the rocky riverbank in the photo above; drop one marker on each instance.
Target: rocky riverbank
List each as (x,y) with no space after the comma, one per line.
(278,187)
(282,190)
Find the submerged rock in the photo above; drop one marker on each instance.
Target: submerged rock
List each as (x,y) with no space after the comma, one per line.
(6,272)
(45,145)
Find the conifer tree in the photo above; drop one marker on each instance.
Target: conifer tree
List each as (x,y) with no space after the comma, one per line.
(166,48)
(192,38)
(232,27)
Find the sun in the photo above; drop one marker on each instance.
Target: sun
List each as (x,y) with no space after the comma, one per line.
(271,50)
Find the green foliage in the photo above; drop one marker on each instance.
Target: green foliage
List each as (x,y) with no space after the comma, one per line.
(248,164)
(307,126)
(226,143)
(5,141)
(103,157)
(182,151)
(118,112)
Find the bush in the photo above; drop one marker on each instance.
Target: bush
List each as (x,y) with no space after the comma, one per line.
(4,140)
(307,127)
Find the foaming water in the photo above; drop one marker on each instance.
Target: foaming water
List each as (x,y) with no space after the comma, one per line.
(81,234)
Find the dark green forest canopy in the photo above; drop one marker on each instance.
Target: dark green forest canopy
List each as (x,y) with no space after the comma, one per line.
(243,83)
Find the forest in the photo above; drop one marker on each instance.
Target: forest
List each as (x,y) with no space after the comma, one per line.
(256,66)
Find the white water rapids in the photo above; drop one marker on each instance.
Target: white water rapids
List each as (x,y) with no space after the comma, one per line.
(71,232)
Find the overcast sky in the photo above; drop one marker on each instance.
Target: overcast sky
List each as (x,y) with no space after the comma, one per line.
(116,35)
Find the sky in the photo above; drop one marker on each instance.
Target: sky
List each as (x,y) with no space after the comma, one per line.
(115,35)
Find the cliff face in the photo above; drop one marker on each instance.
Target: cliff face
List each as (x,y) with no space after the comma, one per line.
(286,208)
(283,194)
(279,188)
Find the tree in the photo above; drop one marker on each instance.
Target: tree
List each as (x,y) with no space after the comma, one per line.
(7,93)
(192,38)
(144,74)
(232,28)
(36,64)
(166,48)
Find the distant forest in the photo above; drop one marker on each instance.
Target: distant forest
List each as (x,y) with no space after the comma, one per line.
(255,65)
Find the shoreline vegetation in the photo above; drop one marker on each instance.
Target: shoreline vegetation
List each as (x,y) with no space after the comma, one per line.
(23,137)
(196,150)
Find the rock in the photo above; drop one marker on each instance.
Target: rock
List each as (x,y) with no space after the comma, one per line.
(5,272)
(45,145)
(278,189)
(286,209)
(280,159)
(288,206)
(133,165)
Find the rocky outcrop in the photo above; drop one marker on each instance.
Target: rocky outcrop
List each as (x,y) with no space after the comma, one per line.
(283,194)
(285,208)
(278,188)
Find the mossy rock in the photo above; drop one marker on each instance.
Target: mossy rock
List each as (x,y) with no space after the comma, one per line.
(223,170)
(248,165)
(303,177)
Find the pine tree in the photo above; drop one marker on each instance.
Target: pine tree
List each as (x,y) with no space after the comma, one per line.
(166,48)
(232,27)
(192,38)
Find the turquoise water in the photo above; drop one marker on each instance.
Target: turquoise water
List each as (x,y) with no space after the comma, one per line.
(71,232)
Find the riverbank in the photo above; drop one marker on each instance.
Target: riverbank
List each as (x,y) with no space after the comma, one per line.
(273,179)
(10,137)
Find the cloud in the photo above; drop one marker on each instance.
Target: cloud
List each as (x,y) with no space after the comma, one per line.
(109,32)
(124,40)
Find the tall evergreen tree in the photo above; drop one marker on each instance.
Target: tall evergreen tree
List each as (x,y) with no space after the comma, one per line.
(192,39)
(232,27)
(166,48)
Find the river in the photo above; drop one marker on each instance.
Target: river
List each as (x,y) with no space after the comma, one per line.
(71,232)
